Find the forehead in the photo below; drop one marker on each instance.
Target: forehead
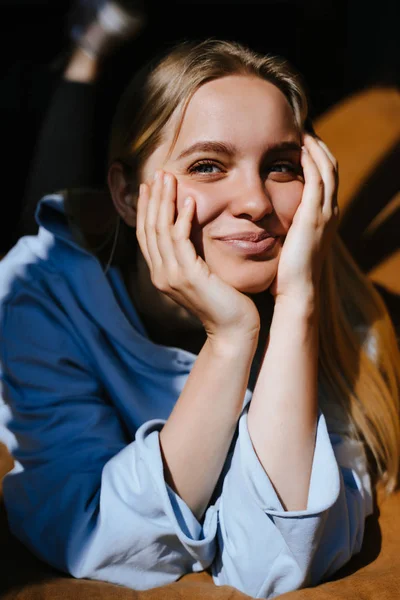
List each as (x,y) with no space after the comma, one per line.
(246,112)
(237,109)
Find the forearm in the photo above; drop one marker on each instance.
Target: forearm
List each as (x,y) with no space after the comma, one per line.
(283,412)
(196,438)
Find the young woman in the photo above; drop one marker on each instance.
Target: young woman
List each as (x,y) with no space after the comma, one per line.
(195,374)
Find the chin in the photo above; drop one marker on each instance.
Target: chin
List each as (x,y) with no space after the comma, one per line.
(254,288)
(248,277)
(250,285)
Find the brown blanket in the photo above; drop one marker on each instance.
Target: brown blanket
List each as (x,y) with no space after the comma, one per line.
(373,574)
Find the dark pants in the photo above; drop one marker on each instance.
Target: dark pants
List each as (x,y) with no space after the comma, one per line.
(67,152)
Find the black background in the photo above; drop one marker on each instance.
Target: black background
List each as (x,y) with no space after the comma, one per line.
(339,47)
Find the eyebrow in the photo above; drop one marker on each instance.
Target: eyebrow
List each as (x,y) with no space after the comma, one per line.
(230,149)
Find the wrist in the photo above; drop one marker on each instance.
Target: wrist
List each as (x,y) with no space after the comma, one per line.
(234,344)
(305,305)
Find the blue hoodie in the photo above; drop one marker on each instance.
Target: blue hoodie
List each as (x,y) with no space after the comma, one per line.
(85,394)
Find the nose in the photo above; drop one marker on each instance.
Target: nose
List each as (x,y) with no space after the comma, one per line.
(251,198)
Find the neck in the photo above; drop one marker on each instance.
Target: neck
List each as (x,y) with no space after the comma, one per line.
(166,322)
(169,324)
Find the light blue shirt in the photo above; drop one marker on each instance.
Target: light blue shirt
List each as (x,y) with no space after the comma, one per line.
(85,394)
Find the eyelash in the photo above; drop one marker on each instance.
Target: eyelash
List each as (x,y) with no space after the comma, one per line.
(207,163)
(196,167)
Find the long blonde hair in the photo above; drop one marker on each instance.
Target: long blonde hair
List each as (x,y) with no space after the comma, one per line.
(359,360)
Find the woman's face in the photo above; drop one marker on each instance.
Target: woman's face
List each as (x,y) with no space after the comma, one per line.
(238,156)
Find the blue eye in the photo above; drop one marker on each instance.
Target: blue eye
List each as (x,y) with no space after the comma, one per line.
(205,167)
(284,168)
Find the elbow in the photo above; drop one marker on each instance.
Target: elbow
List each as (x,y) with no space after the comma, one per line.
(261,578)
(336,554)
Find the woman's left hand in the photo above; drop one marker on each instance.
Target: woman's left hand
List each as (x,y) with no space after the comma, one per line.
(312,228)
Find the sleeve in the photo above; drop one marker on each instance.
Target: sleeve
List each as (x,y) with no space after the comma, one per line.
(264,550)
(83,496)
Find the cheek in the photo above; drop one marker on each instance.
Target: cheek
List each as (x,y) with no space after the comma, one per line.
(208,206)
(285,198)
(287,201)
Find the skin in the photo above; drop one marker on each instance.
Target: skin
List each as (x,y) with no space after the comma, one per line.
(245,188)
(253,188)
(187,272)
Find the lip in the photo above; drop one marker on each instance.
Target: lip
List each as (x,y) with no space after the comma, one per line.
(245,246)
(248,236)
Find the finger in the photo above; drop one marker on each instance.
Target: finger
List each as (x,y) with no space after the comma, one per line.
(165,221)
(322,155)
(166,214)
(151,219)
(184,249)
(336,167)
(328,152)
(313,192)
(327,170)
(144,196)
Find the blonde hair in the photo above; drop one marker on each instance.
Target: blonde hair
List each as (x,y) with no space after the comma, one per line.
(359,360)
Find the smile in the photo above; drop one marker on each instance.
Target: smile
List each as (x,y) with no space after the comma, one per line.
(252,248)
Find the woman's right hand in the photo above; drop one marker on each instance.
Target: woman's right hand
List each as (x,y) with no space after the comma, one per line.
(178,271)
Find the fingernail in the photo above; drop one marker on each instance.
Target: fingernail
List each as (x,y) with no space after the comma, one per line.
(156,175)
(166,178)
(304,149)
(187,201)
